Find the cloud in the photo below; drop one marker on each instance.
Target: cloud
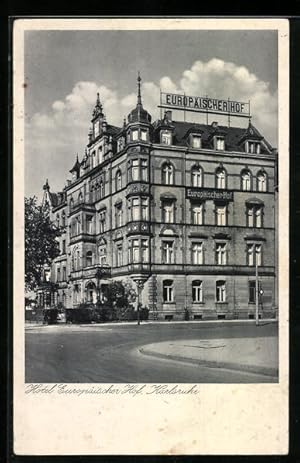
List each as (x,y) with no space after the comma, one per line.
(62,131)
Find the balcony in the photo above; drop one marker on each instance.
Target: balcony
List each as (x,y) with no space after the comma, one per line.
(82,205)
(93,271)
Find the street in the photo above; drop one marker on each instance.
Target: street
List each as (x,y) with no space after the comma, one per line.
(111,353)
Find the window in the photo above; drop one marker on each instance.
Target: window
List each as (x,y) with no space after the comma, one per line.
(135,257)
(166,137)
(167,252)
(89,224)
(63,219)
(221,254)
(254,254)
(220,178)
(221,215)
(135,209)
(75,259)
(134,134)
(119,255)
(80,198)
(101,189)
(120,143)
(64,274)
(100,154)
(102,219)
(220,291)
(197,214)
(253,147)
(144,207)
(168,211)
(196,176)
(196,141)
(144,134)
(197,253)
(118,180)
(119,215)
(63,250)
(144,170)
(197,294)
(246,180)
(261,181)
(64,299)
(254,215)
(145,250)
(57,220)
(252,291)
(167,174)
(102,255)
(135,170)
(89,258)
(168,292)
(58,274)
(219,143)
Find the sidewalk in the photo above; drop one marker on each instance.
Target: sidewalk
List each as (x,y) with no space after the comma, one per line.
(32,326)
(256,355)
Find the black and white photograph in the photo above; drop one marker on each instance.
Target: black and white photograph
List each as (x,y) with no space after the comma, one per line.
(151,166)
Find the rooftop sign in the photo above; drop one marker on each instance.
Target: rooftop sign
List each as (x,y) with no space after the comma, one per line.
(204,105)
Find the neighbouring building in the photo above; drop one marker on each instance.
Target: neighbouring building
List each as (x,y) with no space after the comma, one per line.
(189,209)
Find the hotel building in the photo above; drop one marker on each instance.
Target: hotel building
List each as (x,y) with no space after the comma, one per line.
(188,209)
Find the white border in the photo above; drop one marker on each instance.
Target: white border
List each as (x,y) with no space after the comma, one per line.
(222,419)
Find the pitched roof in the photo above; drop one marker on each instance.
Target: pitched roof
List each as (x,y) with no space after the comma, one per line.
(233,135)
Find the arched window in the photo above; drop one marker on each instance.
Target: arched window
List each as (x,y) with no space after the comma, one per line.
(196,176)
(246,180)
(71,203)
(80,197)
(167,174)
(220,178)
(89,258)
(261,181)
(118,180)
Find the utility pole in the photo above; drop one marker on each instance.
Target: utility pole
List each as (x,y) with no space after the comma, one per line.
(256,292)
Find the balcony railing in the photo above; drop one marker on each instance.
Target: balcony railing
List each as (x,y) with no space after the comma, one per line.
(92,271)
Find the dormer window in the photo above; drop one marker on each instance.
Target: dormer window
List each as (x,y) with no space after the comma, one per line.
(196,141)
(253,147)
(166,137)
(219,143)
(120,143)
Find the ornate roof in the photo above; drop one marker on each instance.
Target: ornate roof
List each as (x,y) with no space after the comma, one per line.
(139,114)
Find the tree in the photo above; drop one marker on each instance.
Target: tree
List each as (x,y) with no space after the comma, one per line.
(119,296)
(41,245)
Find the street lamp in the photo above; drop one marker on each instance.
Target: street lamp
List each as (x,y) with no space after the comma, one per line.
(139,281)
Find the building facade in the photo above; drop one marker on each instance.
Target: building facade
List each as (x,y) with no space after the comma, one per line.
(185,210)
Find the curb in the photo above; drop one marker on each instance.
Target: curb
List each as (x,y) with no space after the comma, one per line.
(266,371)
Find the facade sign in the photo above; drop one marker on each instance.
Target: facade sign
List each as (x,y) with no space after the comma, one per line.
(204,104)
(209,193)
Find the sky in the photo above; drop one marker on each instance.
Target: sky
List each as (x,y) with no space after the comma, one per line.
(65,69)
